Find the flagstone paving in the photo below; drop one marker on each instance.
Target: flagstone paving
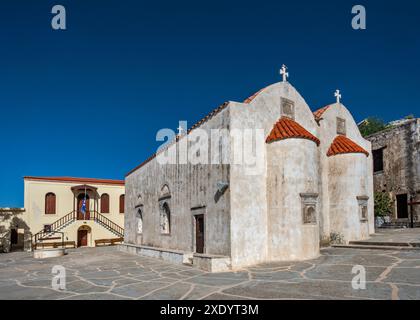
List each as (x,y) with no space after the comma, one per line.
(105,273)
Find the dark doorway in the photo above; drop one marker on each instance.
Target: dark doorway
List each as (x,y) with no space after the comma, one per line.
(80,215)
(402,206)
(199,233)
(82,238)
(14,237)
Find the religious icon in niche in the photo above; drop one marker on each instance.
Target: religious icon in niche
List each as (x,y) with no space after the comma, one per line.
(165,219)
(309,205)
(363,208)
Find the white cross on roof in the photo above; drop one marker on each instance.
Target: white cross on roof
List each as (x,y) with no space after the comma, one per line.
(284,73)
(337,94)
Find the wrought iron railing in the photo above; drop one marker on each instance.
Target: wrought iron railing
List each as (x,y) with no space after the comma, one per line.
(49,230)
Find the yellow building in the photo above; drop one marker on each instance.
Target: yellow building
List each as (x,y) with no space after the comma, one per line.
(79,211)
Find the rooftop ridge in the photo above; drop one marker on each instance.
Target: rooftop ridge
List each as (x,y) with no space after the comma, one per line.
(76,180)
(177,138)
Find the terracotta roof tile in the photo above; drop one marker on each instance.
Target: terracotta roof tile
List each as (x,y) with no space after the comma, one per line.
(249,99)
(76,180)
(342,145)
(287,128)
(318,113)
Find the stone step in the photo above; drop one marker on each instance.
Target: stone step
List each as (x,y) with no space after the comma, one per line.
(374,247)
(379,243)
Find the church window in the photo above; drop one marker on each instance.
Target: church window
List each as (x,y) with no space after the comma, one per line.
(139,218)
(341,126)
(287,108)
(50,203)
(165,219)
(378,160)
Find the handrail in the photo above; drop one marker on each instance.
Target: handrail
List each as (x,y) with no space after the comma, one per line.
(73,216)
(54,226)
(100,218)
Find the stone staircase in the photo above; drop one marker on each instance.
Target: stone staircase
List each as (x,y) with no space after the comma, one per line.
(70,218)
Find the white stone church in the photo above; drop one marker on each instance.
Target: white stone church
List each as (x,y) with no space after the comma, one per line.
(314,183)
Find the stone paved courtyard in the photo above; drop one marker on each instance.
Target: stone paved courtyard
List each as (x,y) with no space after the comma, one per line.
(396,235)
(105,273)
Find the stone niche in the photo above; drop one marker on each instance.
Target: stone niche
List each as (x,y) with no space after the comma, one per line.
(287,108)
(363,208)
(341,126)
(309,207)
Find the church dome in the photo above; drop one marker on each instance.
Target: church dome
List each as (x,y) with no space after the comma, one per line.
(287,128)
(342,145)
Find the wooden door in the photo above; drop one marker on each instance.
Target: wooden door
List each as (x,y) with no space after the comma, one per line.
(199,233)
(80,215)
(82,238)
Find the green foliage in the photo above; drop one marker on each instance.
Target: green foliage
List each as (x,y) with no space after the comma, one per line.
(372,125)
(336,238)
(383,204)
(410,116)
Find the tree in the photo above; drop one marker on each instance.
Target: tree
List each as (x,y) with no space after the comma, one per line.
(372,125)
(383,204)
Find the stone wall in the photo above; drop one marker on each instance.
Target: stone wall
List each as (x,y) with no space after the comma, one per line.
(401,154)
(12,218)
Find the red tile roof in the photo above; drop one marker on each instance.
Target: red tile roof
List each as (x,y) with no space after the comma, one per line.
(287,128)
(76,180)
(318,113)
(249,99)
(342,144)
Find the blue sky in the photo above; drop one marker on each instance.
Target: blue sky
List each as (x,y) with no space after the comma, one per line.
(88,101)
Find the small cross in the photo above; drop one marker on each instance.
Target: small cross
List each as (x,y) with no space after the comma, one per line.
(180,130)
(337,94)
(284,73)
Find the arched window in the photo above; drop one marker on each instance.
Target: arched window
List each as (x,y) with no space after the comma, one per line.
(105,203)
(50,203)
(165,220)
(139,219)
(122,200)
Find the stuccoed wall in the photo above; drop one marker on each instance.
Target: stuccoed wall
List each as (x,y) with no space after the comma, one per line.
(191,187)
(345,172)
(36,218)
(254,239)
(343,178)
(293,170)
(256,220)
